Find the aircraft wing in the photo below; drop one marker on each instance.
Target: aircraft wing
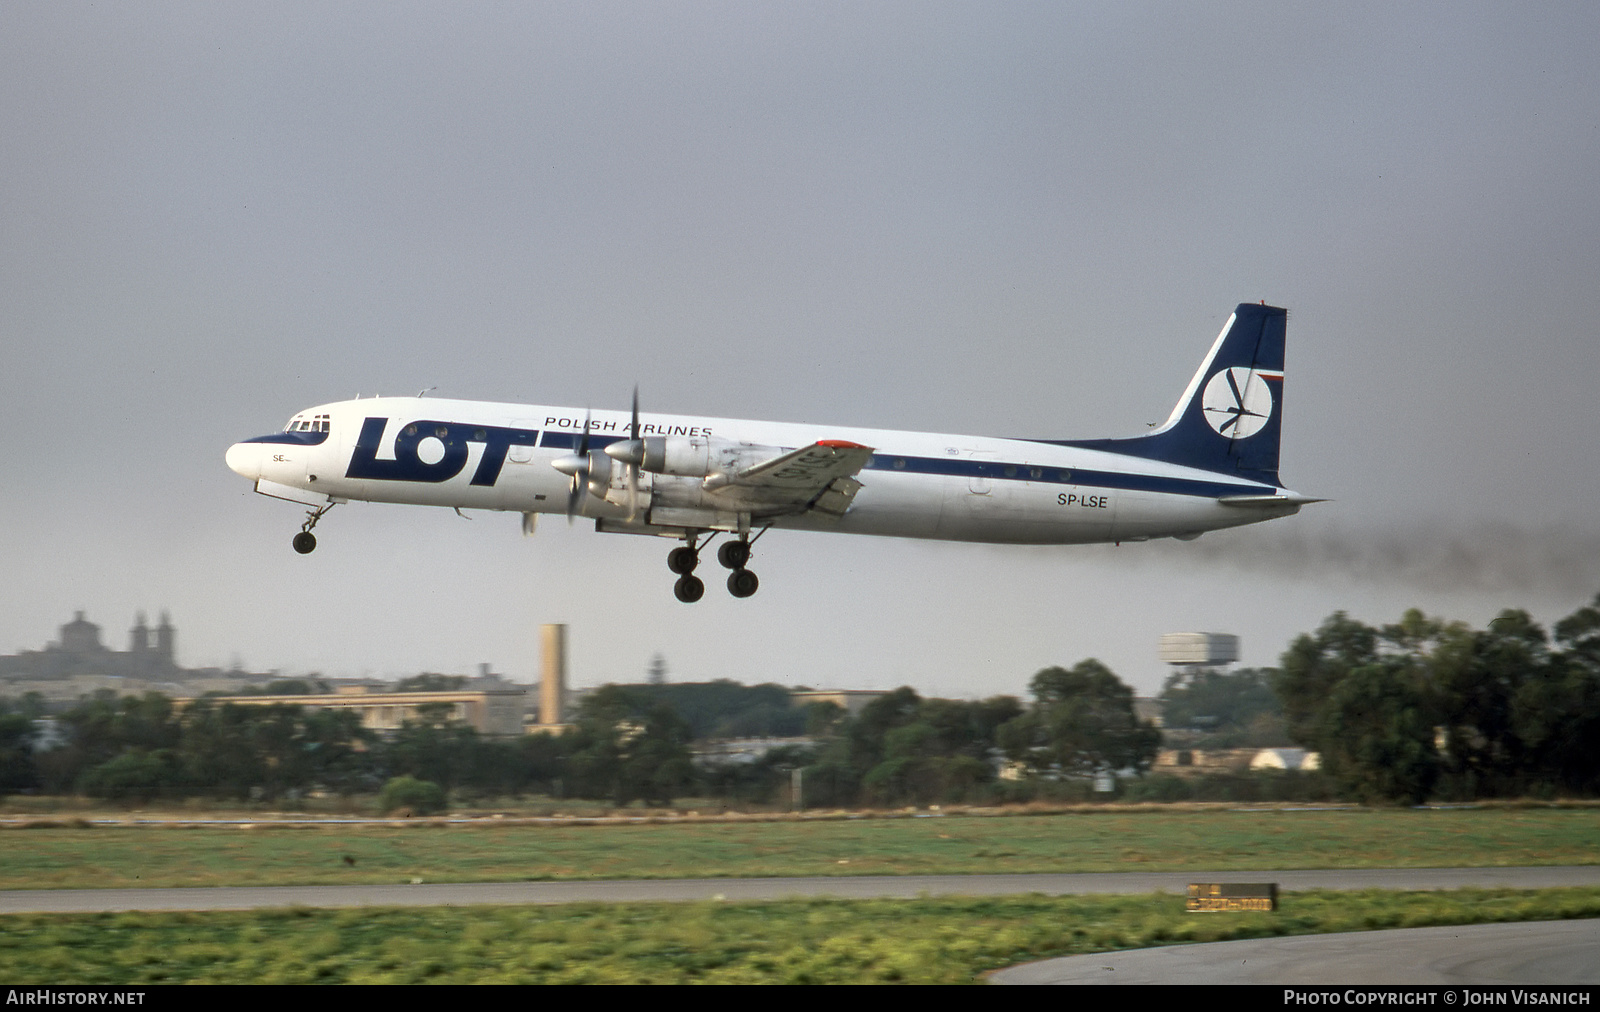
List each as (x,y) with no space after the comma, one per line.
(818,477)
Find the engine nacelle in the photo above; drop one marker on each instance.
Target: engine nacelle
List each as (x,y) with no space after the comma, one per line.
(690,456)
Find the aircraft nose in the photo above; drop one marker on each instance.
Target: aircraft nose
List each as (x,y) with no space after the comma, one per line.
(245,459)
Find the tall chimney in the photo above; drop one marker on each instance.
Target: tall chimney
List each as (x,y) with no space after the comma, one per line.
(553,675)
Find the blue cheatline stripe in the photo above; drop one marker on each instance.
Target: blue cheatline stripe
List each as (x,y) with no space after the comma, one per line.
(998,470)
(569,440)
(293,438)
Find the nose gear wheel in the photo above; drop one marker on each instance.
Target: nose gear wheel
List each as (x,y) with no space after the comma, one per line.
(305,542)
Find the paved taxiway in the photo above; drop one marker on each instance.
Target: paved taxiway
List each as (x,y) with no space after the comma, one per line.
(1532,952)
(734,889)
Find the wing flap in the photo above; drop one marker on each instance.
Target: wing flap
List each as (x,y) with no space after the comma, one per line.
(820,476)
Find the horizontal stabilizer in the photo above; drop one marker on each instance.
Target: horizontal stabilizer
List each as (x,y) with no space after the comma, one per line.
(1268,500)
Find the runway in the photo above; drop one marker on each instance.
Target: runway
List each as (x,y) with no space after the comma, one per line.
(762,889)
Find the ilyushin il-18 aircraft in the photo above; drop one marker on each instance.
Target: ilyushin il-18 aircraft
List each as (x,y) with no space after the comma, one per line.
(1213,464)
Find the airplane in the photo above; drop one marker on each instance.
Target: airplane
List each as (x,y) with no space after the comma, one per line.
(1212,465)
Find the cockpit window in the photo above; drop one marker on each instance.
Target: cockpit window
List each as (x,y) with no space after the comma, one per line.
(317,423)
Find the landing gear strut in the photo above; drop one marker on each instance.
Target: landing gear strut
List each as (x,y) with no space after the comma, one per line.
(305,542)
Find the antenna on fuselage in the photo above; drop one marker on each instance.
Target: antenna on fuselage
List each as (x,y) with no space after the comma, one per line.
(424,393)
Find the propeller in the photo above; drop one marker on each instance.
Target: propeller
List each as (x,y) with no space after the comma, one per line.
(633,468)
(630,452)
(591,471)
(577,466)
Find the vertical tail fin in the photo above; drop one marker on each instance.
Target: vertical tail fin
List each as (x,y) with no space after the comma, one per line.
(1230,416)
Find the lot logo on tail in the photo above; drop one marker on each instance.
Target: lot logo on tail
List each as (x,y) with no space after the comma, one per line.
(1237,402)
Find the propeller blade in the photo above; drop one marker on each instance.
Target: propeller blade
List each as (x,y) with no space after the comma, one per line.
(574,498)
(633,465)
(580,473)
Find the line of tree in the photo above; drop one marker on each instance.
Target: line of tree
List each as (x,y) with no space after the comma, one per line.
(1426,708)
(904,749)
(141,748)
(1400,713)
(1224,709)
(629,743)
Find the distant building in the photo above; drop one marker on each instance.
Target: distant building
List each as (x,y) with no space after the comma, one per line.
(1199,761)
(1150,709)
(852,701)
(79,664)
(487,711)
(1286,759)
(80,652)
(741,751)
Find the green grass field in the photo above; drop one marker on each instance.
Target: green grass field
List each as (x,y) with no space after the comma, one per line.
(1102,840)
(945,940)
(930,941)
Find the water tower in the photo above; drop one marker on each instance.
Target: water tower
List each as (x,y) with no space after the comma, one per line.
(1199,649)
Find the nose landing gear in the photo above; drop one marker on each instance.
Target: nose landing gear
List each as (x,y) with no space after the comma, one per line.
(305,542)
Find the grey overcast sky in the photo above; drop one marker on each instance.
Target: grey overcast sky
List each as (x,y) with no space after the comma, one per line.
(997,218)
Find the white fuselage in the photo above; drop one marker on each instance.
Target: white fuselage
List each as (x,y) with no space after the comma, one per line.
(917,485)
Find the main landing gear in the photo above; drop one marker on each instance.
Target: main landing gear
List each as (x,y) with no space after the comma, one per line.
(682,561)
(305,542)
(732,555)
